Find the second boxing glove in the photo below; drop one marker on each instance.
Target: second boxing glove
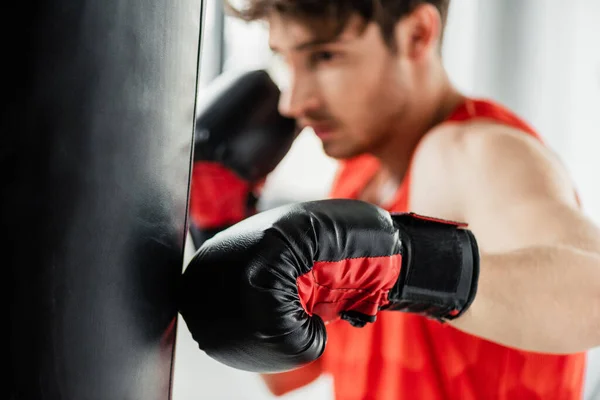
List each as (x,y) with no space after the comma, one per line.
(256,295)
(240,138)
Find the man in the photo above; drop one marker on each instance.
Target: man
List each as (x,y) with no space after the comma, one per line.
(368,78)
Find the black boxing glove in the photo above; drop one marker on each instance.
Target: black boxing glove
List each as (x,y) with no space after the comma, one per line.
(240,138)
(256,296)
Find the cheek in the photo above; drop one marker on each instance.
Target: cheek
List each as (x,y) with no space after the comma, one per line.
(349,93)
(361,100)
(338,89)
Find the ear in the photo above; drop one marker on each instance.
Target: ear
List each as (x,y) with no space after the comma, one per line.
(418,34)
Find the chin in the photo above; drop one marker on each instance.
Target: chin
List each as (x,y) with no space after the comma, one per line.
(339,152)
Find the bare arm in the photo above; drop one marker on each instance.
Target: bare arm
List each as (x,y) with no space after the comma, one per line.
(539,287)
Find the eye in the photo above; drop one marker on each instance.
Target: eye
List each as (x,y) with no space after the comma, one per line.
(322,56)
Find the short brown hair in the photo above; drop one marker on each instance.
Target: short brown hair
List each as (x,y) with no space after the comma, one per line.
(329,17)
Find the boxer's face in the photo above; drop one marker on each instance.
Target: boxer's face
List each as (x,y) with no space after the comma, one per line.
(352,90)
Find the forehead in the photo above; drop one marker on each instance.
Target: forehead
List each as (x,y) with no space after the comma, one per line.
(287,33)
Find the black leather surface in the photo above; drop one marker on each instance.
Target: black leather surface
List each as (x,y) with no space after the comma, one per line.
(97,124)
(239,295)
(239,126)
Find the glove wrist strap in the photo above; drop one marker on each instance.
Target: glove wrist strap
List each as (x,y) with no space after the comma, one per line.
(440,267)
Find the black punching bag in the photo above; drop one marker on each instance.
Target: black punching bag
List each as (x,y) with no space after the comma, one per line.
(97,123)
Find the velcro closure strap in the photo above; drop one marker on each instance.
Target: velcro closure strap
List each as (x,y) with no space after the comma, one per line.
(440,267)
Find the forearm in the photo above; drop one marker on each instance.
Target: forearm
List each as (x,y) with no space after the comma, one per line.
(544,299)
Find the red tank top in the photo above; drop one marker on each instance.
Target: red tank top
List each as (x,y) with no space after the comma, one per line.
(406,356)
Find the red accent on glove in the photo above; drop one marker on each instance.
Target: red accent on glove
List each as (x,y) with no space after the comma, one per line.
(357,284)
(218,196)
(442,221)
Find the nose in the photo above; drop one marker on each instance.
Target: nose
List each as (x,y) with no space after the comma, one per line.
(298,98)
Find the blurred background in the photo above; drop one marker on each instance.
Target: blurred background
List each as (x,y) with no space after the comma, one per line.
(541,58)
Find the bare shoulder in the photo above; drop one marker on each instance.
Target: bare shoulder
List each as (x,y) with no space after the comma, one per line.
(478,159)
(480,141)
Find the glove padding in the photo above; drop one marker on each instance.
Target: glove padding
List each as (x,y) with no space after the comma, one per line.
(256,296)
(240,138)
(238,125)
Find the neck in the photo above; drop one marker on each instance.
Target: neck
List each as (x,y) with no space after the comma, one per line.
(433,105)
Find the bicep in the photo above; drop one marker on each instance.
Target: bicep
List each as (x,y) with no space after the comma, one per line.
(526,197)
(510,189)
(535,222)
